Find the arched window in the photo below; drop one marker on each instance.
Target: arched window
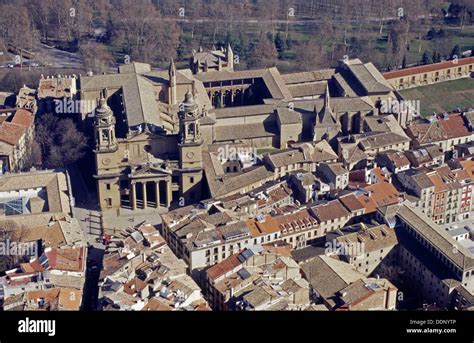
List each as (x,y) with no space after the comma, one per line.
(162,96)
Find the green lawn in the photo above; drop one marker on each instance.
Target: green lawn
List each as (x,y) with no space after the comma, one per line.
(444,96)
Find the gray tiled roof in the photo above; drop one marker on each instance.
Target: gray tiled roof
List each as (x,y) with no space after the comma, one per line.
(221,184)
(308,76)
(55,184)
(437,237)
(242,111)
(286,116)
(272,78)
(307,89)
(370,78)
(382,140)
(136,83)
(328,276)
(245,131)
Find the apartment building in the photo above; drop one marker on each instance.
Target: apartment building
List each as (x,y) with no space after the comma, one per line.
(257,278)
(446,131)
(435,265)
(365,248)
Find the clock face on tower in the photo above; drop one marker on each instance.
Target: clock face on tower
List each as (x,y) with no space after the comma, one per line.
(190,154)
(106,161)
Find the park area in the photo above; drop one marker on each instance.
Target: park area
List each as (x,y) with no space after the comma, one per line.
(444,96)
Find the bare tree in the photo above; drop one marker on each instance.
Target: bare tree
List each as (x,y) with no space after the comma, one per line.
(264,54)
(95,57)
(309,56)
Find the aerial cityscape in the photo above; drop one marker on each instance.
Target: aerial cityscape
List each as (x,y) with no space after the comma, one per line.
(242,155)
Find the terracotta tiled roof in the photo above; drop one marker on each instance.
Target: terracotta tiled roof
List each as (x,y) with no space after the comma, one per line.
(444,128)
(134,286)
(22,117)
(257,228)
(438,183)
(280,248)
(12,129)
(224,267)
(454,126)
(378,195)
(11,133)
(71,259)
(427,68)
(468,166)
(351,202)
(398,159)
(296,219)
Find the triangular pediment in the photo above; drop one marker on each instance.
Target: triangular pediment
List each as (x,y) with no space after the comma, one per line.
(150,169)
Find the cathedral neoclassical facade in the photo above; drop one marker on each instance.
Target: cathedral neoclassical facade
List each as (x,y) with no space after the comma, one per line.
(153,127)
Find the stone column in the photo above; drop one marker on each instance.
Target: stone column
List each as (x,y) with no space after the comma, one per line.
(133,196)
(144,194)
(157,193)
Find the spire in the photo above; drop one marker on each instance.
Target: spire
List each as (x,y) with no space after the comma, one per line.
(172,68)
(230,57)
(327,97)
(326,115)
(172,80)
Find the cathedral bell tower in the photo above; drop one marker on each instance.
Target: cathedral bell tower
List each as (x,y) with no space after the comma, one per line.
(107,172)
(105,127)
(190,149)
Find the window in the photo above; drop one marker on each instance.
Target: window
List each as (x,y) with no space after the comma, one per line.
(162,96)
(191,129)
(191,179)
(107,185)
